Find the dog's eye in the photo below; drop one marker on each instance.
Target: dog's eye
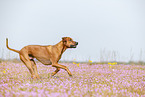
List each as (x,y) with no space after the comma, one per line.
(70,40)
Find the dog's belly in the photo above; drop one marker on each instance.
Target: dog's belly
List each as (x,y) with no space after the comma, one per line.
(44,61)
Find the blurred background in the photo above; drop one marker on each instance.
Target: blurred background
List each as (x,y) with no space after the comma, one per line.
(107,30)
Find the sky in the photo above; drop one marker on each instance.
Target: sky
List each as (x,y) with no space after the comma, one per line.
(106,30)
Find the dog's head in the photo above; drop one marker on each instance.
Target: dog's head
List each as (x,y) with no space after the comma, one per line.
(69,43)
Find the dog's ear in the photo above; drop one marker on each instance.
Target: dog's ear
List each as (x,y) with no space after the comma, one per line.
(64,39)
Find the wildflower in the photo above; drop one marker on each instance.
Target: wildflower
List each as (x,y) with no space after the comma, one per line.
(4,71)
(76,64)
(90,61)
(112,64)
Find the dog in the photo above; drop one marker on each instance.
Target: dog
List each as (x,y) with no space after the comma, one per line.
(47,55)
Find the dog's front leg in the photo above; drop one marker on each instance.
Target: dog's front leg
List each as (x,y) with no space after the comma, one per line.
(61,66)
(57,69)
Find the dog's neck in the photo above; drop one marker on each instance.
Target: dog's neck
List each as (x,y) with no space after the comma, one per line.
(61,46)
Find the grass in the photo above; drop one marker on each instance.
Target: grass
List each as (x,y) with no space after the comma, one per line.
(88,81)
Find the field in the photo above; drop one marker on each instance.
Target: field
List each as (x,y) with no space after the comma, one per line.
(87,81)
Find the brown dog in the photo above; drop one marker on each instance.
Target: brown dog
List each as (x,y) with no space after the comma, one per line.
(48,55)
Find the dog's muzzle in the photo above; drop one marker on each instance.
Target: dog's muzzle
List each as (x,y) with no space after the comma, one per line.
(74,46)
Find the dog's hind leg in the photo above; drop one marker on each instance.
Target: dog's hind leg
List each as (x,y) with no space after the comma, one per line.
(25,59)
(34,68)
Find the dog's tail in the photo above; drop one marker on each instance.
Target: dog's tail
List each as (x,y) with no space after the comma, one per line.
(9,47)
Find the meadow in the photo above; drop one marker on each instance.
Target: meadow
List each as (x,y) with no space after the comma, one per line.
(96,80)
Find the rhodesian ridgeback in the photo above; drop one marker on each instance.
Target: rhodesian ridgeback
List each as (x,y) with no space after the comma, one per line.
(47,55)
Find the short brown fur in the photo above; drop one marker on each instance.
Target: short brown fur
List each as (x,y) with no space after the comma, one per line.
(48,55)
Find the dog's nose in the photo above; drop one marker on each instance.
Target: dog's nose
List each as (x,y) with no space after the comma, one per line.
(76,43)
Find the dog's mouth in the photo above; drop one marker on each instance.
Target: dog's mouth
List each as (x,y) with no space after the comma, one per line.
(73,46)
